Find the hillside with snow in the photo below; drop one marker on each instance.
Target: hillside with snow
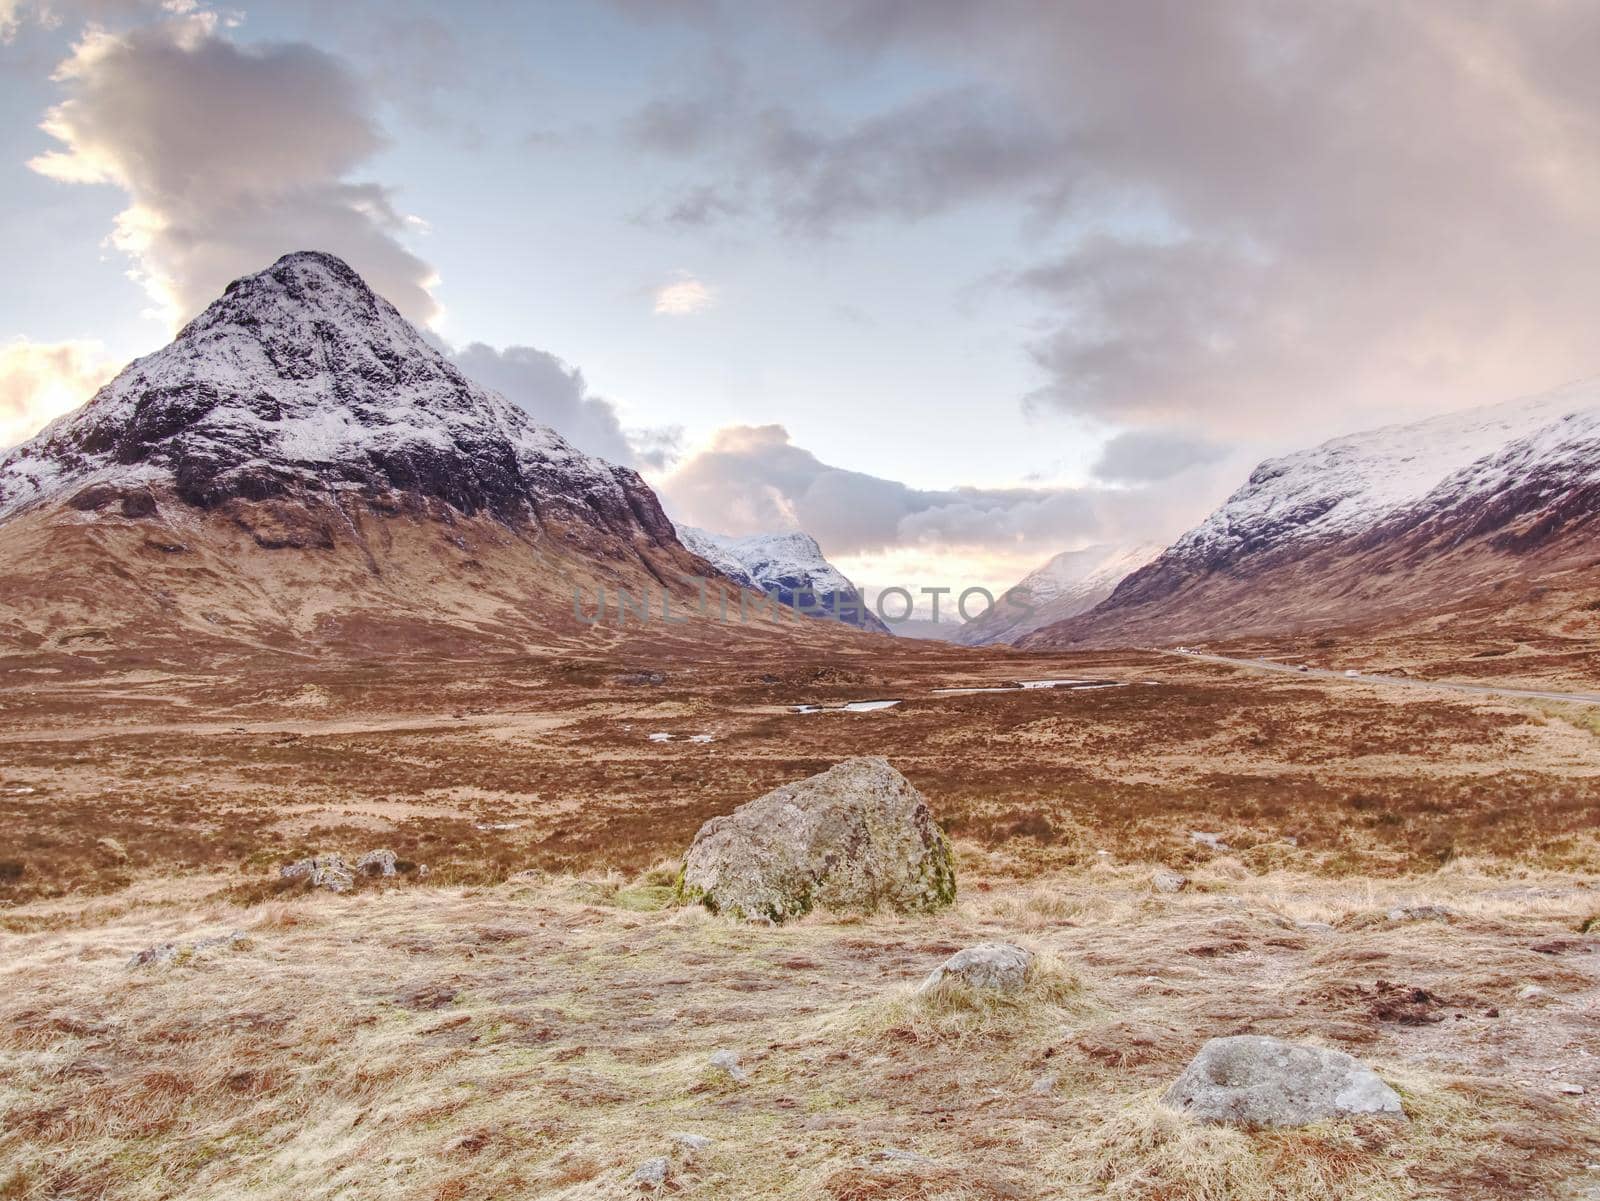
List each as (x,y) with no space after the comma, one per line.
(1423,517)
(1070,583)
(787,566)
(301,464)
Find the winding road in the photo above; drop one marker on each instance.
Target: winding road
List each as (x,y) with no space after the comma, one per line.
(1576,698)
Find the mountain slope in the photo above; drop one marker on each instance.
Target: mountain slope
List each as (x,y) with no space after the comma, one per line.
(789,567)
(1383,526)
(301,464)
(1071,583)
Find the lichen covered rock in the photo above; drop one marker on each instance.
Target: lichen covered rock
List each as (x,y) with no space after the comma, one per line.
(321,871)
(854,839)
(989,966)
(1252,1080)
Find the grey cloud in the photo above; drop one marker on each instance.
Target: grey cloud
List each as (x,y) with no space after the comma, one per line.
(1146,456)
(556,394)
(1266,217)
(553,393)
(230,156)
(698,115)
(753,479)
(816,175)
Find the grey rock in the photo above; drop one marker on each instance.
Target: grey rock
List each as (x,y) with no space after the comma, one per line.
(165,952)
(995,966)
(377,863)
(1421,913)
(853,839)
(322,871)
(171,952)
(1253,1080)
(653,1173)
(728,1061)
(1164,879)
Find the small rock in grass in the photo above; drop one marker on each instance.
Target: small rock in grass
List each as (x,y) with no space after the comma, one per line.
(1421,913)
(1164,879)
(164,953)
(321,871)
(1252,1080)
(171,952)
(377,863)
(728,1061)
(992,966)
(653,1173)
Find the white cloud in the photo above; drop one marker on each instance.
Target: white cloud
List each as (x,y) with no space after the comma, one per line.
(39,381)
(231,156)
(683,298)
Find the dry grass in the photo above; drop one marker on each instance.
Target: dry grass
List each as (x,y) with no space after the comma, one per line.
(541,1038)
(534,1019)
(484,772)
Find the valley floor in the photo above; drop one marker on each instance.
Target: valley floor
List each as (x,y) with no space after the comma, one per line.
(532,1016)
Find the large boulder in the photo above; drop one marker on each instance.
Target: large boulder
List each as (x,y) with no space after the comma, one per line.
(854,839)
(1253,1080)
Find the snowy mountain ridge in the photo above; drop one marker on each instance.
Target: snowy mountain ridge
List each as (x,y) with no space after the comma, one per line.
(757,560)
(1407,519)
(1350,484)
(301,379)
(1066,585)
(783,565)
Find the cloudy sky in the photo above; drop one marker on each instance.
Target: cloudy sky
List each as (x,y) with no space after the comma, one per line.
(951,285)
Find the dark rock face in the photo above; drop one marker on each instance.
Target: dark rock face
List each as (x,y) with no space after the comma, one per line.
(301,383)
(844,605)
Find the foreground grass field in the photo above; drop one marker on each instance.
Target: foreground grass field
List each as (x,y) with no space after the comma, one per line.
(544,1037)
(530,1017)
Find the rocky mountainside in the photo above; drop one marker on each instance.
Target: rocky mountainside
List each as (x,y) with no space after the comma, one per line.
(787,567)
(1460,512)
(301,463)
(1071,583)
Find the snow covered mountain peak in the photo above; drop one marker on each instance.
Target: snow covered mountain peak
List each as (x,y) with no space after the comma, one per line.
(300,379)
(783,565)
(756,560)
(1068,584)
(1349,484)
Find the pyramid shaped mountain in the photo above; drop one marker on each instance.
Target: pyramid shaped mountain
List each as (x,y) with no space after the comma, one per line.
(301,462)
(300,379)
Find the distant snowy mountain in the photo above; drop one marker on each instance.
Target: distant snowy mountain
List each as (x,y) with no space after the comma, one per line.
(1402,519)
(785,566)
(1071,583)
